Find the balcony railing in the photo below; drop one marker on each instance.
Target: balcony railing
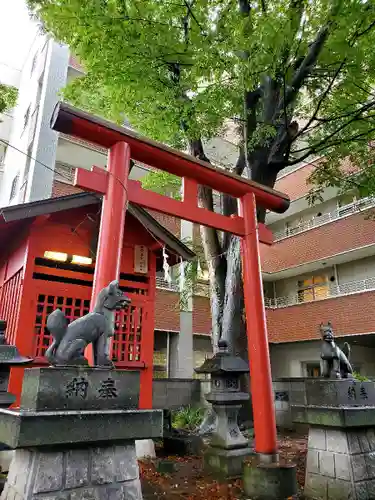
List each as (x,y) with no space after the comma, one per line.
(349,288)
(162,283)
(200,289)
(339,213)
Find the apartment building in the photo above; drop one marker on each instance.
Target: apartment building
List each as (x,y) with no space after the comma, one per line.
(321,266)
(8,76)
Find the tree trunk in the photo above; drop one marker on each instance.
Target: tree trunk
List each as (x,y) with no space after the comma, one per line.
(216,261)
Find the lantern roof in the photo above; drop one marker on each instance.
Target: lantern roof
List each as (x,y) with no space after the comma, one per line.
(223,362)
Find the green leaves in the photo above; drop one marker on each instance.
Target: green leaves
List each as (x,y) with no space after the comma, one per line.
(179,70)
(163,183)
(8,97)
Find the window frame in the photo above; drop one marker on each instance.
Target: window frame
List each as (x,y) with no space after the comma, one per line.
(311,286)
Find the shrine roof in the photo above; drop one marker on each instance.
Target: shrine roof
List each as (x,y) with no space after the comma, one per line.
(14,217)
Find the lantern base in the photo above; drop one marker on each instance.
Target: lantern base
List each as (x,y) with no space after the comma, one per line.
(226,463)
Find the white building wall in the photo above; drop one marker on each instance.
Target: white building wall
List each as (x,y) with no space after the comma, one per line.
(9,76)
(75,155)
(356,270)
(42,78)
(40,178)
(289,360)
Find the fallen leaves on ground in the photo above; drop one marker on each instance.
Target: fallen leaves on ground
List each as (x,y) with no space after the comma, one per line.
(189,482)
(294,449)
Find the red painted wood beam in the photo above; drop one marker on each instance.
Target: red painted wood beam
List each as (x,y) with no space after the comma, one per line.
(97,181)
(183,210)
(77,123)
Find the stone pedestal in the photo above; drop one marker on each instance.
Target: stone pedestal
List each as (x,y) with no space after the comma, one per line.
(341,448)
(9,356)
(69,453)
(90,473)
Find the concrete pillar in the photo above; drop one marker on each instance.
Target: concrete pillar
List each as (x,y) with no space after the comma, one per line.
(181,361)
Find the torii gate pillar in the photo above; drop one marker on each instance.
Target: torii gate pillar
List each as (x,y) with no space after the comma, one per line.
(257,338)
(112,222)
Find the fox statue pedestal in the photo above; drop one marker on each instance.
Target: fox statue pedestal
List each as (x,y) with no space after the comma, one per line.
(341,448)
(75,433)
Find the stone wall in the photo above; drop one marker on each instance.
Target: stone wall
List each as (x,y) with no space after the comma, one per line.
(288,391)
(175,393)
(90,473)
(340,461)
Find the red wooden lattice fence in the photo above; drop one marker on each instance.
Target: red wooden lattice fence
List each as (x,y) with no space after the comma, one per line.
(132,326)
(10,296)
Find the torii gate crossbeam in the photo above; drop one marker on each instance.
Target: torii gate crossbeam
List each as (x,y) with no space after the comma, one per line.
(123,144)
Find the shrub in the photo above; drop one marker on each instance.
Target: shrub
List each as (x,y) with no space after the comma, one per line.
(187,418)
(360,378)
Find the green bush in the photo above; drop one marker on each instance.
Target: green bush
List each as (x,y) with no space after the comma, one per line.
(187,418)
(360,378)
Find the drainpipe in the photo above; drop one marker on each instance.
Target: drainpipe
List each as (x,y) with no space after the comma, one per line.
(168,351)
(274,292)
(336,274)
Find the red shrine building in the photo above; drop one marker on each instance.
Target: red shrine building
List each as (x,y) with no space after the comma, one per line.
(47,255)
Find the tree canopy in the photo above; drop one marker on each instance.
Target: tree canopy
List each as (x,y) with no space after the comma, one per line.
(296,76)
(8,97)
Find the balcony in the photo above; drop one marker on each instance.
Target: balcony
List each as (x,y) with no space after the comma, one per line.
(342,236)
(337,214)
(350,315)
(349,288)
(164,285)
(200,288)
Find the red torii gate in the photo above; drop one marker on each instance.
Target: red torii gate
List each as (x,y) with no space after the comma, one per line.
(117,189)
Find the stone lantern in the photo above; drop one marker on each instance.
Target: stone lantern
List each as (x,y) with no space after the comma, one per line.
(228,446)
(9,356)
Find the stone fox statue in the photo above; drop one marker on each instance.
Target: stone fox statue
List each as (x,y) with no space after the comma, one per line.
(335,360)
(70,340)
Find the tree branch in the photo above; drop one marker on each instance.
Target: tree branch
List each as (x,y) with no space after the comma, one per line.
(321,100)
(189,6)
(356,117)
(305,67)
(322,145)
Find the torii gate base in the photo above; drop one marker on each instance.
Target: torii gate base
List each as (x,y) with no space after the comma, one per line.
(117,190)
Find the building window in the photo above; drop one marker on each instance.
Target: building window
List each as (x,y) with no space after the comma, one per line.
(13,189)
(28,162)
(312,370)
(26,118)
(33,64)
(314,288)
(3,150)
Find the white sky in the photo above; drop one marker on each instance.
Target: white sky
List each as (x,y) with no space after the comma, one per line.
(17,33)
